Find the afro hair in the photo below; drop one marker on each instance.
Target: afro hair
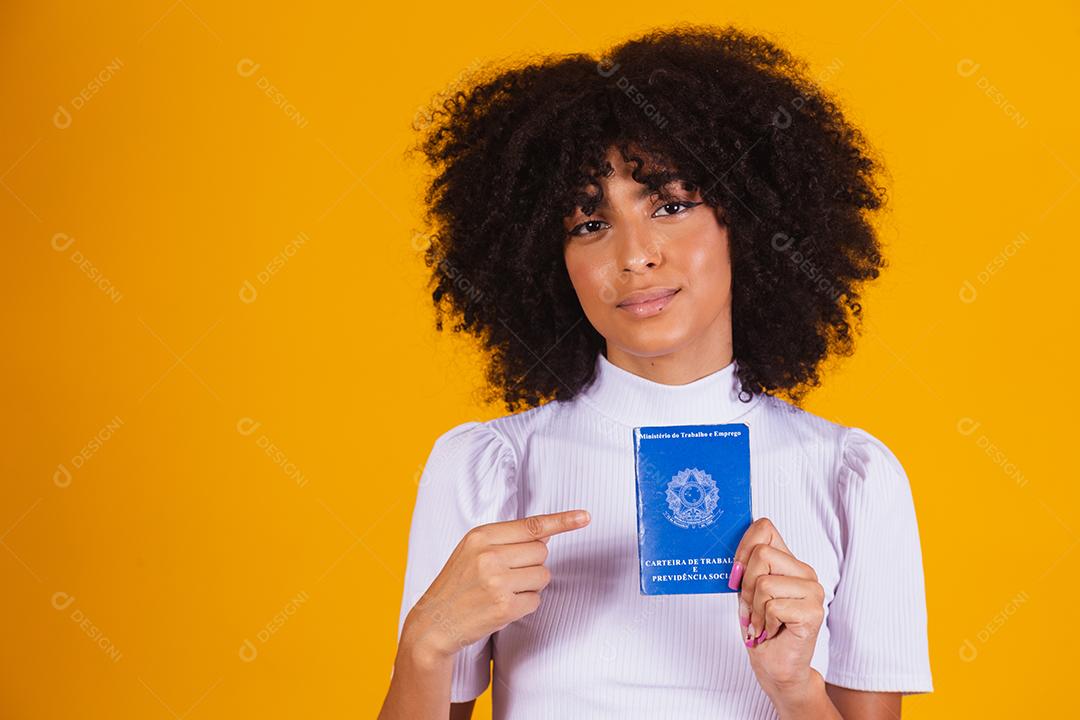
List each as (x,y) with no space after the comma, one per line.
(513,149)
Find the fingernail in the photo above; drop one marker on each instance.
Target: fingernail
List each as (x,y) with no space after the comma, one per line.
(736,575)
(582,516)
(749,643)
(744,613)
(760,638)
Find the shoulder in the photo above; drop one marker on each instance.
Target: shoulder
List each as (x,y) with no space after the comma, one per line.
(514,429)
(813,433)
(470,477)
(503,436)
(469,442)
(864,454)
(855,451)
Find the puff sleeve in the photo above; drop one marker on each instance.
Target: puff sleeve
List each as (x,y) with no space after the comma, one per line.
(469,479)
(877,618)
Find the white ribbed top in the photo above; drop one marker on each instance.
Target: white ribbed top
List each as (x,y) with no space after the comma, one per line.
(596,647)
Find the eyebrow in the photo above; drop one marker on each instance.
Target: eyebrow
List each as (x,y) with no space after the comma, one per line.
(645,192)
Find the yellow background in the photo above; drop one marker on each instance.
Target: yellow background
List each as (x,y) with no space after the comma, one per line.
(205,501)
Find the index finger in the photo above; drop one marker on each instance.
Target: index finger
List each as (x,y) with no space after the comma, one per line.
(537,527)
(761,531)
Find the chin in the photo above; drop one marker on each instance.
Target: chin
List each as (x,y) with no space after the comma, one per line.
(651,342)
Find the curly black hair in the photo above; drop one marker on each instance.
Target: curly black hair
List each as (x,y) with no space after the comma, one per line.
(514,149)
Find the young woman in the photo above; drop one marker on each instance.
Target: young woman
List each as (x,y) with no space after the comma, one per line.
(676,233)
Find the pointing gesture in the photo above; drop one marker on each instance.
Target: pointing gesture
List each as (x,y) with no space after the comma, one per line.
(534,527)
(493,577)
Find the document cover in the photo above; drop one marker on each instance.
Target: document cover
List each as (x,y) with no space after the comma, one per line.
(693,495)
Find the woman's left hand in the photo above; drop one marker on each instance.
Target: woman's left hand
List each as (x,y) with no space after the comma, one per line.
(781,607)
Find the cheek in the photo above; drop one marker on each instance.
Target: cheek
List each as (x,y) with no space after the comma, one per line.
(708,263)
(588,278)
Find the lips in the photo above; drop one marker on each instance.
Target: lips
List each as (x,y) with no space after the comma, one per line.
(644,296)
(648,303)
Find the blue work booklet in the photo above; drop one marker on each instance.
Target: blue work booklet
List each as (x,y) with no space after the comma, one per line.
(693,494)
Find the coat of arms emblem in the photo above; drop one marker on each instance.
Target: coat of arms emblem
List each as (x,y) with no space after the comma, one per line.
(692,497)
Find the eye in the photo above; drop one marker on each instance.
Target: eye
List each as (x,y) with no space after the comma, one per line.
(675,204)
(676,207)
(586,224)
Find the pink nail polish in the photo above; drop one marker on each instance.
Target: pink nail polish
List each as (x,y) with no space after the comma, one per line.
(736,575)
(760,638)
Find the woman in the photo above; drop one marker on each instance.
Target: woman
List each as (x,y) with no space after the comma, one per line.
(675,234)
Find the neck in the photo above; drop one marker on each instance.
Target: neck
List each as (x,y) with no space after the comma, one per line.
(626,400)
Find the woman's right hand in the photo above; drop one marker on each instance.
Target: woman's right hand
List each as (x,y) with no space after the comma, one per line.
(493,577)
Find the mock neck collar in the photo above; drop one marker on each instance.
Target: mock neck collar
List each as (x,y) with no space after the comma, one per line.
(634,401)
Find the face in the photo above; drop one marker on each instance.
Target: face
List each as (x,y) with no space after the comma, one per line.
(670,255)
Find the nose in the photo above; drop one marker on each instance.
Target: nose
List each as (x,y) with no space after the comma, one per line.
(637,249)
